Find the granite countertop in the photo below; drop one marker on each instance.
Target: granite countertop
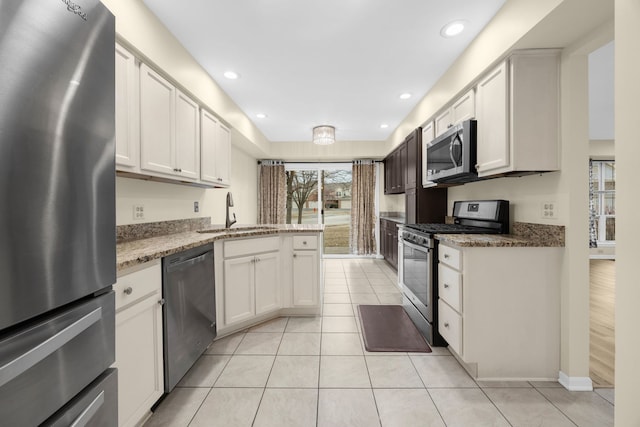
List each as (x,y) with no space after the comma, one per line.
(394,216)
(525,235)
(139,251)
(486,240)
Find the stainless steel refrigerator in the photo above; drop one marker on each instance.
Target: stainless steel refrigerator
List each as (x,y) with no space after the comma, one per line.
(57,213)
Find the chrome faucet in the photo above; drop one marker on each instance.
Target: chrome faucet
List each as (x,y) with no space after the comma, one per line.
(228,223)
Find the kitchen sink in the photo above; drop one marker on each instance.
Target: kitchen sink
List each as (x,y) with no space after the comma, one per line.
(238,230)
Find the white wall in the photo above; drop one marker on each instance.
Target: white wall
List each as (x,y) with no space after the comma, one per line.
(627,93)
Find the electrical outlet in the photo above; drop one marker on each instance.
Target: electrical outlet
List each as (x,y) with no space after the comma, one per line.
(138,212)
(196,207)
(548,210)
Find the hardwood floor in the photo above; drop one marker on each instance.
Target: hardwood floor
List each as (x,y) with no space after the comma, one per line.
(602,322)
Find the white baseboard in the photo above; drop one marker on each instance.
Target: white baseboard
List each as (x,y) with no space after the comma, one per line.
(575,383)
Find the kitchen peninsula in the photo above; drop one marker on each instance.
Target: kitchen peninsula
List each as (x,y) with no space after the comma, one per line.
(259,272)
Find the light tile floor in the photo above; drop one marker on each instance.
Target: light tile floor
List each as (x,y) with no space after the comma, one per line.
(315,372)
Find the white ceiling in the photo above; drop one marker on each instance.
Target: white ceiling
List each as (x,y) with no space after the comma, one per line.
(339,62)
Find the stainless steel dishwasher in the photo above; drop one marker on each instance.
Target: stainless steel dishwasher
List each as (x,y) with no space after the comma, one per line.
(189,311)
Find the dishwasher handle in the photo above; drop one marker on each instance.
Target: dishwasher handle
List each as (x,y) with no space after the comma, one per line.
(188,262)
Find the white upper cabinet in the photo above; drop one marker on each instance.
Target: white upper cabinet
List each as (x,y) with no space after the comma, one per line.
(223,156)
(169,128)
(157,104)
(187,137)
(216,149)
(162,132)
(493,138)
(127,109)
(518,115)
(462,109)
(427,136)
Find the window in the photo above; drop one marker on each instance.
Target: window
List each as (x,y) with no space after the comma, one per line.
(603,198)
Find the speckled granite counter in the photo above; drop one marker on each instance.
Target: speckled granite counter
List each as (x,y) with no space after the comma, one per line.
(394,216)
(525,234)
(134,252)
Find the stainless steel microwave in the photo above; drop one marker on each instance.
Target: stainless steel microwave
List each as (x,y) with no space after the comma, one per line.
(451,157)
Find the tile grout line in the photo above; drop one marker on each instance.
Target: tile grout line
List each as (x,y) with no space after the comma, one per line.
(264,388)
(554,405)
(494,404)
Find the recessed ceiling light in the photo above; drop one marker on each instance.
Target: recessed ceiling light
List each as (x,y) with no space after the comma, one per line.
(231,75)
(405,95)
(384,126)
(261,115)
(452,29)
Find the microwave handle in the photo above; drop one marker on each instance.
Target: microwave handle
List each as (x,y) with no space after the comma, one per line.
(453,160)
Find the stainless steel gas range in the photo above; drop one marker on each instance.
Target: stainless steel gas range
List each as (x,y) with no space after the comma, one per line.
(418,257)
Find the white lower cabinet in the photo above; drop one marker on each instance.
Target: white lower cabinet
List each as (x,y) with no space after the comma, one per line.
(239,289)
(139,342)
(251,283)
(305,290)
(264,277)
(499,310)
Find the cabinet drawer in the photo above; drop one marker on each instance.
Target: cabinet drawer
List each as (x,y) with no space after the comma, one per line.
(450,326)
(450,286)
(450,256)
(140,282)
(305,242)
(233,248)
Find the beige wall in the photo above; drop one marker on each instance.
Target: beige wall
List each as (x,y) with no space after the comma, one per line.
(627,93)
(164,202)
(602,149)
(510,24)
(141,31)
(341,150)
(522,24)
(244,187)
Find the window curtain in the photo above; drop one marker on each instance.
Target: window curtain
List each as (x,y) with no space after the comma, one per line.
(593,232)
(272,194)
(362,238)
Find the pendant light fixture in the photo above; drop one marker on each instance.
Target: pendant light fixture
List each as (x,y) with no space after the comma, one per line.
(324,135)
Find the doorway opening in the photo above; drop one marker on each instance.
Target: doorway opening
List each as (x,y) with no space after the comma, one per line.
(320,193)
(602,212)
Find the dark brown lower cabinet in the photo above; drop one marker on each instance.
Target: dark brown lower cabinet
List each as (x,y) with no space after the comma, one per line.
(389,241)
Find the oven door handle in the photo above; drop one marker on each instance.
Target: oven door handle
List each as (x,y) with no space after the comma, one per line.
(417,247)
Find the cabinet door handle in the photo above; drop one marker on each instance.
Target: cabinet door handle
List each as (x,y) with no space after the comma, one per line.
(446,324)
(446,256)
(295,255)
(446,286)
(128,291)
(161,301)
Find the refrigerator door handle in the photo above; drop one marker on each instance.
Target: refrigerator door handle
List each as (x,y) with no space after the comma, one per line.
(86,415)
(30,358)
